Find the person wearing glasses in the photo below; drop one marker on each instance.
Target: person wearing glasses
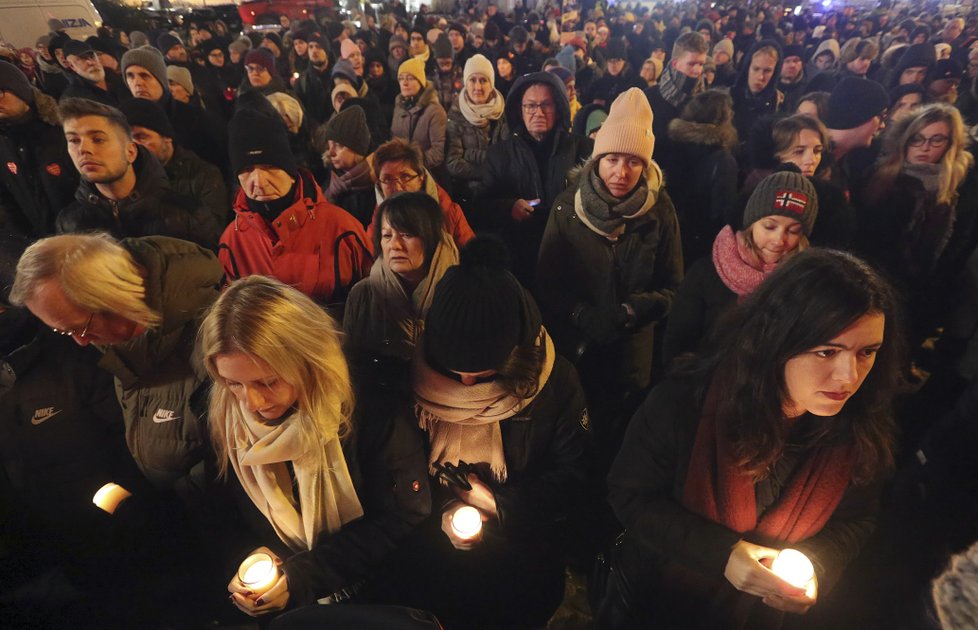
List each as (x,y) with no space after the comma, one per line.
(399,167)
(419,117)
(915,222)
(525,173)
(139,301)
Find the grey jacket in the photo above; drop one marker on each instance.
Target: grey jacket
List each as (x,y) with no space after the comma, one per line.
(424,123)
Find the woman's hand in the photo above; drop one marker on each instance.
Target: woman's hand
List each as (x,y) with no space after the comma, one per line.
(480,496)
(747,570)
(462,544)
(255,603)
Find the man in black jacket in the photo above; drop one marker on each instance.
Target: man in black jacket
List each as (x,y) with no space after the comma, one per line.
(88,79)
(313,85)
(124,190)
(525,173)
(37,178)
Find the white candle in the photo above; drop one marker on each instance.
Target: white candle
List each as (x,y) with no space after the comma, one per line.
(466,522)
(258,572)
(793,567)
(110,496)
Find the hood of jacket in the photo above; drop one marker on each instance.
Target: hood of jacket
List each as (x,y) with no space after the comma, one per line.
(741,89)
(723,136)
(151,181)
(46,108)
(514,101)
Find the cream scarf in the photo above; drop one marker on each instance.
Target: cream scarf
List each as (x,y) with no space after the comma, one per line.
(462,421)
(327,498)
(480,115)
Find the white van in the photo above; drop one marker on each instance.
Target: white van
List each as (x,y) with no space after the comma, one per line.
(23,21)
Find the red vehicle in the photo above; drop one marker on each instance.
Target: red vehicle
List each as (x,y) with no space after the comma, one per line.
(261,12)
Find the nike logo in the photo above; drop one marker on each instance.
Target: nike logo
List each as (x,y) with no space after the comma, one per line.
(40,415)
(164,415)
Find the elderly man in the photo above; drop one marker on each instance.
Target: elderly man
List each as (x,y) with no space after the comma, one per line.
(525,173)
(88,79)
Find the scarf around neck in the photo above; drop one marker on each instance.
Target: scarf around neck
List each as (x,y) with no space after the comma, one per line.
(927,174)
(739,269)
(462,421)
(327,499)
(480,115)
(676,88)
(605,214)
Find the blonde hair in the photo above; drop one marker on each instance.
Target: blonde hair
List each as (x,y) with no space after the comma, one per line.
(955,163)
(748,231)
(95,272)
(268,320)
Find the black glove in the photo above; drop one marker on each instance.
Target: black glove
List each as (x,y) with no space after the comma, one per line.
(602,324)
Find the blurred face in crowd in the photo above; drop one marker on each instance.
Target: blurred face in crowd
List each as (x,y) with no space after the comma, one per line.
(808,108)
(690,64)
(179,92)
(11,106)
(916,74)
(143,84)
(602,35)
(761,71)
(620,172)
(177,53)
(234,55)
(864,133)
(821,380)
(571,89)
(859,66)
(539,110)
(409,84)
(270,45)
(953,30)
(590,29)
(59,54)
(256,386)
(375,70)
(87,66)
(317,56)
(264,182)
(774,236)
(108,61)
(258,75)
(403,252)
(824,61)
(300,46)
(45,54)
(417,44)
(356,60)
(615,66)
(99,150)
(399,176)
(805,152)
(444,64)
(721,58)
(52,306)
(399,53)
(929,145)
(791,69)
(160,146)
(216,58)
(905,104)
(478,88)
(504,67)
(341,157)
(648,72)
(945,90)
(456,39)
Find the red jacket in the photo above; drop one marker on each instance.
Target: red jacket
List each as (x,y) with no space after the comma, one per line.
(455,222)
(313,245)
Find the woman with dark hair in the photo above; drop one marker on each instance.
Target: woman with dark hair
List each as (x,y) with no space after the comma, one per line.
(779,438)
(813,104)
(497,402)
(385,313)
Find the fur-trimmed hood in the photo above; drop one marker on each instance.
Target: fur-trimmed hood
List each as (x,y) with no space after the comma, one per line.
(46,108)
(723,136)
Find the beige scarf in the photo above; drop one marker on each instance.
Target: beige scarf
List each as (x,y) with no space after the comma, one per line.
(327,498)
(480,115)
(462,421)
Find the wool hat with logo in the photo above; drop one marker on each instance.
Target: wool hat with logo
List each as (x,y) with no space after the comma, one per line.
(787,194)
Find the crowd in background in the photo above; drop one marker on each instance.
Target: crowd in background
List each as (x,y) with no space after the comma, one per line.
(543,264)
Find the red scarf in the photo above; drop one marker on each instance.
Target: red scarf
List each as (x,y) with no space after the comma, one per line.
(718,490)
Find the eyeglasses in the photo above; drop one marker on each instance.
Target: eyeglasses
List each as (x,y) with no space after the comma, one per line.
(935,142)
(253,69)
(530,108)
(406,77)
(402,180)
(72,333)
(216,53)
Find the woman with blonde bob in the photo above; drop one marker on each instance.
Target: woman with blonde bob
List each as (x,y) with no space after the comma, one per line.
(339,482)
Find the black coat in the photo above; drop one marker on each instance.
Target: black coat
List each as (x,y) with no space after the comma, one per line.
(749,107)
(313,89)
(79,87)
(700,301)
(608,87)
(200,131)
(37,178)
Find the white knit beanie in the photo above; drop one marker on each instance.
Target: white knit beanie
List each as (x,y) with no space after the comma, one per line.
(478,64)
(628,128)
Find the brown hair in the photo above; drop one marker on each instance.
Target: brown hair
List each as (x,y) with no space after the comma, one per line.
(73,108)
(691,42)
(398,150)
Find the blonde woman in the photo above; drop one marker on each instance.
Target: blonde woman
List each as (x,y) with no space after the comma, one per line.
(340,481)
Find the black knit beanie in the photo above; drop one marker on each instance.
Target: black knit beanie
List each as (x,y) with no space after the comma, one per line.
(442,48)
(259,137)
(166,41)
(853,102)
(349,128)
(13,80)
(480,312)
(141,112)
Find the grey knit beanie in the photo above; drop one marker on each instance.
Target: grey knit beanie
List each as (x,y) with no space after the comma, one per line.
(148,58)
(349,128)
(787,194)
(13,80)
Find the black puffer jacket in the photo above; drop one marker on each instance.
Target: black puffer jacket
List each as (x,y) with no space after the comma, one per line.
(699,303)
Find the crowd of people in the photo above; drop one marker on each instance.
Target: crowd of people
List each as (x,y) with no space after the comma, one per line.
(653,292)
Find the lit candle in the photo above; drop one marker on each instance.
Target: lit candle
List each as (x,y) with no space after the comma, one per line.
(466,522)
(110,496)
(258,572)
(793,567)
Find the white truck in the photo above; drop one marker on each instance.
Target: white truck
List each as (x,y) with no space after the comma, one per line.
(23,21)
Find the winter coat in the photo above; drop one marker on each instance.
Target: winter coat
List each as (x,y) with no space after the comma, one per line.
(749,107)
(79,87)
(582,270)
(353,190)
(424,123)
(313,89)
(646,484)
(700,301)
(447,85)
(526,63)
(608,87)
(152,208)
(192,177)
(200,131)
(511,171)
(52,78)
(702,176)
(467,148)
(314,246)
(161,385)
(37,178)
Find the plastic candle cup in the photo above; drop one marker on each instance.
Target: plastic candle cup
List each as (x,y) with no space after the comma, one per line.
(466,522)
(793,567)
(110,496)
(258,572)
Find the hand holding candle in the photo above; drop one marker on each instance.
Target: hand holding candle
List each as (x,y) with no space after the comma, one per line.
(259,586)
(110,496)
(258,572)
(793,567)
(463,525)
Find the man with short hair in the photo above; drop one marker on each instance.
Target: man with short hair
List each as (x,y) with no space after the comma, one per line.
(680,81)
(313,86)
(523,55)
(189,175)
(618,76)
(792,82)
(208,90)
(51,76)
(123,188)
(856,111)
(525,173)
(943,81)
(914,65)
(88,78)
(457,32)
(37,178)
